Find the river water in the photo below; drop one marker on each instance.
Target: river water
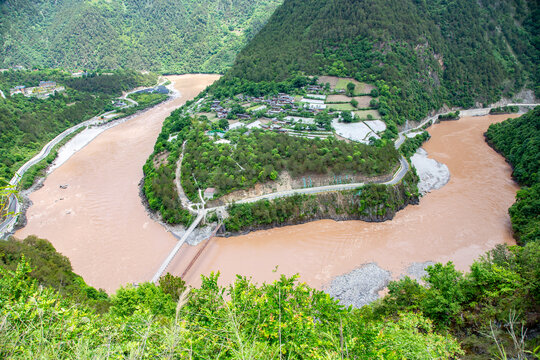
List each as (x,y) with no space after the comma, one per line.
(99,222)
(458,222)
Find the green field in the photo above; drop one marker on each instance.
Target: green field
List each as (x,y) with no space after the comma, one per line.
(342,107)
(362,114)
(360,88)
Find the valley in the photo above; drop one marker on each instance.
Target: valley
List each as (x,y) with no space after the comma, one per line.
(270,179)
(73,212)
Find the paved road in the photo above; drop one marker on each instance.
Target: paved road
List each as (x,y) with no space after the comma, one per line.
(399,174)
(14,206)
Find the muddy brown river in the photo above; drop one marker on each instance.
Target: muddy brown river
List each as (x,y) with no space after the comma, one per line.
(458,222)
(100,223)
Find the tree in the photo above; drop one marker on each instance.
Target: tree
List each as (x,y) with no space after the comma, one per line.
(172,285)
(350,89)
(346,116)
(324,120)
(354,103)
(223,124)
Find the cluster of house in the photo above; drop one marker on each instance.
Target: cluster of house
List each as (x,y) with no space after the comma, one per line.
(282,103)
(44,89)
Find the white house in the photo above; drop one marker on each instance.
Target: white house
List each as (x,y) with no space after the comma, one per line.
(209,193)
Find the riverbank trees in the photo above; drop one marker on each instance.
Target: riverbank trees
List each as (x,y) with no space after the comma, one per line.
(372,202)
(518,140)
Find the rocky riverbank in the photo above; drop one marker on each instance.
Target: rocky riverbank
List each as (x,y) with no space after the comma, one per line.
(362,285)
(433,175)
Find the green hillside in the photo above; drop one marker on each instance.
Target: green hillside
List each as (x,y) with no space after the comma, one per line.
(27,123)
(164,36)
(518,140)
(427,53)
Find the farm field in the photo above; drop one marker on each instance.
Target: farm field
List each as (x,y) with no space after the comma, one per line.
(362,114)
(337,83)
(342,107)
(363,101)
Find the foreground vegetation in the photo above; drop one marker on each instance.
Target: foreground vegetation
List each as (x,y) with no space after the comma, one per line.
(284,319)
(518,140)
(28,123)
(162,36)
(46,309)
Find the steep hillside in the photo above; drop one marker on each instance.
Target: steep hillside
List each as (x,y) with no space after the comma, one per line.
(165,36)
(429,53)
(518,140)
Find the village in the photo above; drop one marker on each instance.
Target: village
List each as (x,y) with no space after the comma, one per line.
(42,91)
(338,107)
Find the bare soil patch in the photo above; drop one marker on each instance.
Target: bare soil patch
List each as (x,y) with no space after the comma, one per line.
(161,159)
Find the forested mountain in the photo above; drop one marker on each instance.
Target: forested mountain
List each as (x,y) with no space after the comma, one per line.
(428,53)
(159,35)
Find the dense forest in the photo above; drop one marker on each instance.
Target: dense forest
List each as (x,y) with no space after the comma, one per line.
(163,36)
(423,54)
(260,156)
(518,140)
(28,123)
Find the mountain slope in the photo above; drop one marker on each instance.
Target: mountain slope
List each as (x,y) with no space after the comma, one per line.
(166,36)
(457,52)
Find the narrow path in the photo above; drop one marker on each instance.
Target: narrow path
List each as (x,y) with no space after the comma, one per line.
(178,182)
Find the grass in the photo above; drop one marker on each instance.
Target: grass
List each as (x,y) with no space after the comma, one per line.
(342,107)
(360,88)
(362,114)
